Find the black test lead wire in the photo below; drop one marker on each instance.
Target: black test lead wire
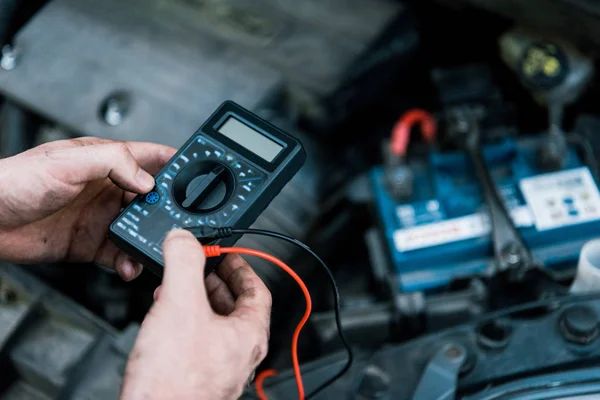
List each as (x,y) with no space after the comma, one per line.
(206,232)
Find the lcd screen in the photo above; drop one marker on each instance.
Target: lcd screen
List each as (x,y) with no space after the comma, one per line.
(252,140)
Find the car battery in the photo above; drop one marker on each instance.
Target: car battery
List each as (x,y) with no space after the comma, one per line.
(443,231)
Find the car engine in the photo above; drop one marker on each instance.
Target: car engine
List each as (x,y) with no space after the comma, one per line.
(451,185)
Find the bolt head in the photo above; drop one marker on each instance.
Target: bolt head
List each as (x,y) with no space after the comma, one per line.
(453,352)
(114,114)
(511,255)
(10,58)
(115,108)
(579,324)
(399,181)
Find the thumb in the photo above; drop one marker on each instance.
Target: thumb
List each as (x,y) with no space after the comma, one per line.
(114,160)
(183,279)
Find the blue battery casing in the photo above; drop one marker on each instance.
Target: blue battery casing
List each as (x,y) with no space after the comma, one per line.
(443,232)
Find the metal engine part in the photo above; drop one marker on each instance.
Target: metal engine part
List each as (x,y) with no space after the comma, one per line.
(493,350)
(50,347)
(568,72)
(154,70)
(556,73)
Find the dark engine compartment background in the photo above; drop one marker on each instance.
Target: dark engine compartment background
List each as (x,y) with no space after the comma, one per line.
(337,74)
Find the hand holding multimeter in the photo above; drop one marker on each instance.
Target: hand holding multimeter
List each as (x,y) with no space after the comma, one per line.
(227,173)
(216,186)
(222,178)
(56,203)
(224,175)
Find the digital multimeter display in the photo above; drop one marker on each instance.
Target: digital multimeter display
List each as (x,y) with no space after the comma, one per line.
(223,176)
(252,140)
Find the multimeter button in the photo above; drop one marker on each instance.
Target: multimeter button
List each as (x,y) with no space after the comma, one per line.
(152,197)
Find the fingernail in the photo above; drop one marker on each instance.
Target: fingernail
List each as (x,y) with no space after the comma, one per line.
(137,270)
(145,179)
(181,233)
(126,270)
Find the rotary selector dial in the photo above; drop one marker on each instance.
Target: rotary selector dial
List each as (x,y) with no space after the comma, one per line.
(203,187)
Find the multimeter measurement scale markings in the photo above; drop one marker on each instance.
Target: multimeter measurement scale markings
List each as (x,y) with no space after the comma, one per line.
(127,225)
(249,178)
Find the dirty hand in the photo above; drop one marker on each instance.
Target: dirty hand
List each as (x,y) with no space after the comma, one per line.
(202,339)
(57,200)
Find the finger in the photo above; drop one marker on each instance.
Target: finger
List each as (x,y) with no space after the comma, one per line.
(107,254)
(137,269)
(183,279)
(80,165)
(127,268)
(156,293)
(110,256)
(90,141)
(151,156)
(253,299)
(219,295)
(66,143)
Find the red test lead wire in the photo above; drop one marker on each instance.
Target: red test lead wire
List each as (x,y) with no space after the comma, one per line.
(260,391)
(401,131)
(216,251)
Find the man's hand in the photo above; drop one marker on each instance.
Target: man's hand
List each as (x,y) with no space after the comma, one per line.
(57,200)
(199,340)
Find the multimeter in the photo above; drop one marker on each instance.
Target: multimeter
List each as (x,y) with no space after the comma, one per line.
(225,175)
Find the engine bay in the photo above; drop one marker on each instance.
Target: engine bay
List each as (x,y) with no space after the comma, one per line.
(451,186)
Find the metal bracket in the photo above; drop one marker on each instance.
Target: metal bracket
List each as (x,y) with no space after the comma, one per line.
(440,379)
